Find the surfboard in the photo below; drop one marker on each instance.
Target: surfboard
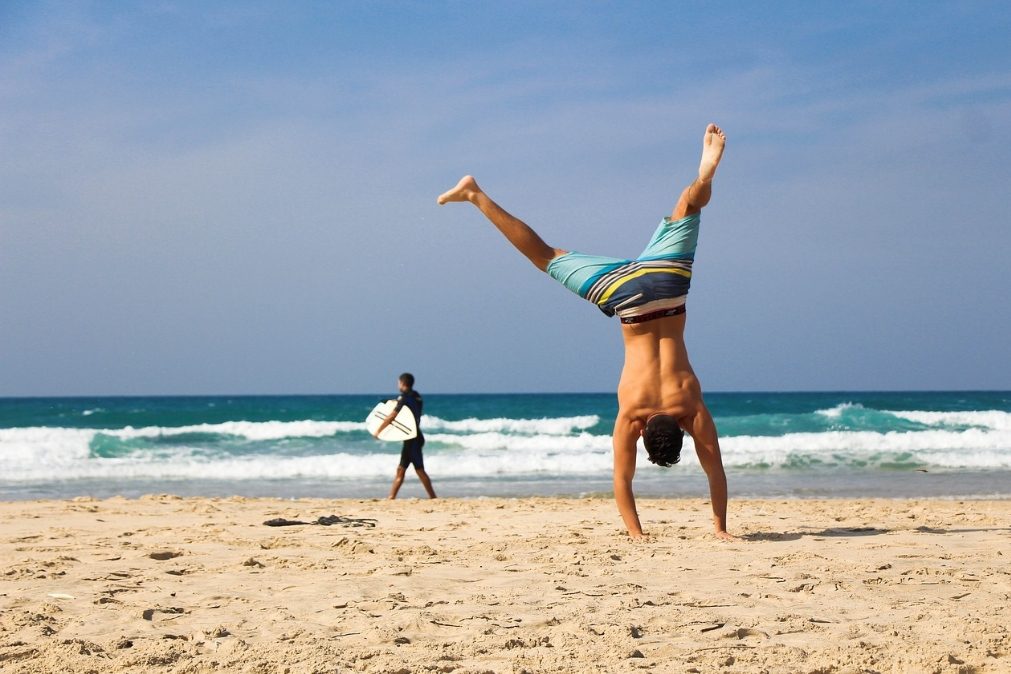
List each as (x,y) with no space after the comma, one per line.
(403,426)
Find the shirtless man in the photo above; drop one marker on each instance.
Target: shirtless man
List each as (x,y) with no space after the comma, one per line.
(659,396)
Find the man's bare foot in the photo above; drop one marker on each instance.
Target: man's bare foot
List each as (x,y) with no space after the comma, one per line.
(724,536)
(712,152)
(464,191)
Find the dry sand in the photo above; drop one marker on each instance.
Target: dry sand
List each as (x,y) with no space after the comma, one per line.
(167,584)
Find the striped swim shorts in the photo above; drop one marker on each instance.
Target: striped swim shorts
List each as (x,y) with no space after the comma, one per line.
(655,281)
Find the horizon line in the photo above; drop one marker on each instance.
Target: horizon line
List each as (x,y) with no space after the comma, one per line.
(484,393)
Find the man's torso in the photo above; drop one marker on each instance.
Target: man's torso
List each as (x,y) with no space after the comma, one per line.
(414,402)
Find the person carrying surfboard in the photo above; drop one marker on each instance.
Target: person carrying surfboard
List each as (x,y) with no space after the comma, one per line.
(659,396)
(411,452)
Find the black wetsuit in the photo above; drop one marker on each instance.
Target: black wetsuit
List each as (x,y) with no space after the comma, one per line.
(411,453)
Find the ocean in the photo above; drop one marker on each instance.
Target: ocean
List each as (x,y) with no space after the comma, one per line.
(775,445)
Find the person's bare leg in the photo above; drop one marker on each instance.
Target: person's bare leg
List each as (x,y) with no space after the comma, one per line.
(518,232)
(397,481)
(425,482)
(695,197)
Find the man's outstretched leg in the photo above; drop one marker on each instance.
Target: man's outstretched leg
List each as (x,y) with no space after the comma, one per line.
(695,197)
(518,232)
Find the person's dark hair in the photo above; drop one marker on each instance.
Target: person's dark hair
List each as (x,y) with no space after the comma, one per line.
(663,438)
(408,379)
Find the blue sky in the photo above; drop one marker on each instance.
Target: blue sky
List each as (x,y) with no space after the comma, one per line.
(240,197)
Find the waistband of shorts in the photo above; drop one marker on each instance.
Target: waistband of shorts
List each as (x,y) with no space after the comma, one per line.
(653,315)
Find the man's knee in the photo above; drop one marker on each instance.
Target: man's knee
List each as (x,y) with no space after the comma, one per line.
(546,256)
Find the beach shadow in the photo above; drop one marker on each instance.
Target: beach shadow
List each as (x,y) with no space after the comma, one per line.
(935,530)
(771,536)
(833,532)
(837,532)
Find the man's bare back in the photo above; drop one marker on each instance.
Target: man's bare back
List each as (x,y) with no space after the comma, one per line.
(657,378)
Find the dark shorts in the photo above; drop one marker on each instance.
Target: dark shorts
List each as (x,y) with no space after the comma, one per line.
(411,453)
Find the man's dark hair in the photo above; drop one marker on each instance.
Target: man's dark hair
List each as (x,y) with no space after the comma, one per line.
(663,438)
(408,379)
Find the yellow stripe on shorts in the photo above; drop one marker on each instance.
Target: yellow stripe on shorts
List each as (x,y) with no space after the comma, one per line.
(611,289)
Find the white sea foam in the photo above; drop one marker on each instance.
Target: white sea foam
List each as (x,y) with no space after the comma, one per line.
(484,442)
(251,430)
(837,411)
(186,465)
(974,449)
(989,419)
(868,441)
(479,448)
(42,446)
(997,420)
(279,430)
(555,426)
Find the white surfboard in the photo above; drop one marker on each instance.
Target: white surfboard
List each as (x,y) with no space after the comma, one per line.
(402,427)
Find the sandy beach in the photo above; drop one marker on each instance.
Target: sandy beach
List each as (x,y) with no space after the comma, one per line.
(169,584)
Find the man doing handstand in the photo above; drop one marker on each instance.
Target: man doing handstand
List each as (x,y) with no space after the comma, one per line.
(659,396)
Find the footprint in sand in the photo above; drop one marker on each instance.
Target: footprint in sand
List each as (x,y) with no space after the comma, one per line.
(162,555)
(148,613)
(182,571)
(745,632)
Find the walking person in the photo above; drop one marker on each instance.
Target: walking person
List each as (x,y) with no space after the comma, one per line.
(411,452)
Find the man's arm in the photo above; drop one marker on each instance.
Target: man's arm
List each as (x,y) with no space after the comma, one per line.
(389,419)
(624,439)
(707,446)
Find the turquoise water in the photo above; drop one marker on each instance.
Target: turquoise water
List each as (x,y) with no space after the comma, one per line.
(936,444)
